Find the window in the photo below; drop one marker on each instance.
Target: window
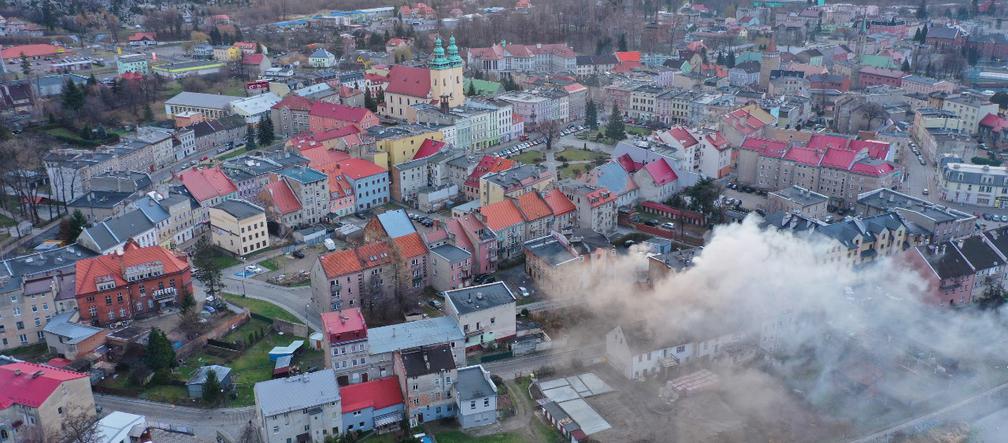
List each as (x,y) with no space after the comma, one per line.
(20,325)
(472,404)
(23,338)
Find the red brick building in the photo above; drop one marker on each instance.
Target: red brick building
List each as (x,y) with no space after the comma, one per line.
(136,283)
(880,76)
(323,116)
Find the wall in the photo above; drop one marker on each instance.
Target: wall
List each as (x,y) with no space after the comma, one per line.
(218,331)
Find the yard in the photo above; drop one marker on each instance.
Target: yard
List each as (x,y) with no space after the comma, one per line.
(638,130)
(573,155)
(261,307)
(6,221)
(269,263)
(530,157)
(223,259)
(572,170)
(462,437)
(232,154)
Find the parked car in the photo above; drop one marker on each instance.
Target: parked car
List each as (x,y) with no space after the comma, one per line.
(298,254)
(524,291)
(435,304)
(650,222)
(925,191)
(668,225)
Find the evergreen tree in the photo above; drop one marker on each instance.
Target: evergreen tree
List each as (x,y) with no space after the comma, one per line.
(25,65)
(615,130)
(148,115)
(215,36)
(72,96)
(591,114)
(622,45)
(906,65)
(731,59)
(187,301)
(91,81)
(159,354)
(250,138)
(917,35)
(972,56)
(721,61)
(266,135)
(369,101)
(211,388)
(471,91)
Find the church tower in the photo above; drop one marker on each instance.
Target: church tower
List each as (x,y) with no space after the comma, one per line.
(446,74)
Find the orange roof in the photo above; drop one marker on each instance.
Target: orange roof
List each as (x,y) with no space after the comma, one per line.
(628,56)
(501,215)
(114,265)
(36,50)
(410,246)
(338,263)
(533,207)
(559,203)
(374,254)
(208,183)
(319,157)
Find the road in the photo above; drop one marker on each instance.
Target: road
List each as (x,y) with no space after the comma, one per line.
(516,367)
(204,422)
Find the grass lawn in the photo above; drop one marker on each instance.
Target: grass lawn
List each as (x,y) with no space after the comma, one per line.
(261,307)
(270,264)
(529,157)
(637,130)
(31,353)
(462,437)
(572,171)
(232,154)
(580,155)
(6,221)
(223,259)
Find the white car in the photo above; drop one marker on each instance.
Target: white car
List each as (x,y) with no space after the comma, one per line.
(668,225)
(524,291)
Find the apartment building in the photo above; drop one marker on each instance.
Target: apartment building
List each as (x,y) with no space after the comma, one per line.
(345,345)
(486,313)
(36,397)
(212,106)
(508,58)
(426,376)
(305,407)
(238,227)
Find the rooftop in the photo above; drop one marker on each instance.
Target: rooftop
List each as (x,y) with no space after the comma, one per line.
(429,360)
(414,334)
(239,209)
(295,393)
(476,298)
(201,100)
(474,383)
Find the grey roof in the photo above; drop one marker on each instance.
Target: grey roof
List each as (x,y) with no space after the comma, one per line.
(303,174)
(476,298)
(474,384)
(550,250)
(117,230)
(396,223)
(74,332)
(200,376)
(239,209)
(801,196)
(587,419)
(980,253)
(423,361)
(413,334)
(970,174)
(514,177)
(885,199)
(451,253)
(100,199)
(152,209)
(201,100)
(299,392)
(14,270)
(946,260)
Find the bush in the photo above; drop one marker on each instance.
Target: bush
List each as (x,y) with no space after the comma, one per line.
(985,161)
(545,371)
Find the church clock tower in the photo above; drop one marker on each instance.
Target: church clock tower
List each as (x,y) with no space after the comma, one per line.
(446,74)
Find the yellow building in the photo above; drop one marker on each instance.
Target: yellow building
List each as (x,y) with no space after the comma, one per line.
(397,144)
(226,53)
(441,79)
(514,182)
(238,227)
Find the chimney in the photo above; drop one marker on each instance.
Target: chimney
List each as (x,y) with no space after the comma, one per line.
(37,374)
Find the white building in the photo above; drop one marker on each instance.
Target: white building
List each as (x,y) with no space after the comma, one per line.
(305,407)
(486,312)
(120,427)
(971,184)
(638,354)
(475,397)
(255,108)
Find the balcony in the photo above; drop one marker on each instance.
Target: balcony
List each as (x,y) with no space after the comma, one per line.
(669,362)
(164,294)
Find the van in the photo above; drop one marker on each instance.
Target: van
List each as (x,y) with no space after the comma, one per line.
(330,244)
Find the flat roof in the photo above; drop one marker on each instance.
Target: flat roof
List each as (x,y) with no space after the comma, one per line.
(476,298)
(586,417)
(201,100)
(413,334)
(239,209)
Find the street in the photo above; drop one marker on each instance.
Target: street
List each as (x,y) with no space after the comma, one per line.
(204,422)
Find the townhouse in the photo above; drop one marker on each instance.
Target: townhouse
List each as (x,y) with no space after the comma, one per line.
(239,227)
(250,173)
(507,58)
(980,185)
(940,223)
(346,345)
(372,405)
(475,397)
(136,283)
(514,182)
(290,115)
(486,313)
(638,354)
(41,397)
(324,116)
(306,407)
(426,377)
(596,206)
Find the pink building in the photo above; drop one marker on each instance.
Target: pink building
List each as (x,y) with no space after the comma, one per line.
(451,267)
(949,275)
(469,233)
(323,116)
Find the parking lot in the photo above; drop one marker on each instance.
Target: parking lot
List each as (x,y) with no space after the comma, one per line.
(534,144)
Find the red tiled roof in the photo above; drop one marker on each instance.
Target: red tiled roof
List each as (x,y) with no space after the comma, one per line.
(114,265)
(357,168)
(407,80)
(765,147)
(995,122)
(805,156)
(375,394)
(207,183)
(35,50)
(487,165)
(533,207)
(877,149)
(283,197)
(824,141)
(559,203)
(501,215)
(628,164)
(374,254)
(137,36)
(717,140)
(294,101)
(339,187)
(253,59)
(339,263)
(458,231)
(345,325)
(743,121)
(661,172)
(682,136)
(410,245)
(428,148)
(628,56)
(881,72)
(872,168)
(321,158)
(338,112)
(19,385)
(599,197)
(574,87)
(839,158)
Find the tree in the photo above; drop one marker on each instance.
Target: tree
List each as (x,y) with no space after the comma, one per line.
(250,138)
(622,45)
(721,60)
(211,388)
(591,114)
(159,354)
(993,296)
(471,91)
(972,56)
(71,228)
(730,59)
(1001,99)
(922,12)
(208,270)
(615,130)
(92,81)
(550,129)
(917,35)
(906,65)
(266,135)
(148,114)
(369,101)
(72,96)
(187,301)
(79,426)
(25,65)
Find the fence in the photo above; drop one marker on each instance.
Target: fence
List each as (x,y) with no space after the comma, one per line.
(217,332)
(288,328)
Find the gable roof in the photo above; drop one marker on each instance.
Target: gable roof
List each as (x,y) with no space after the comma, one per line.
(89,270)
(284,200)
(558,202)
(31,384)
(207,183)
(410,81)
(396,223)
(295,393)
(428,148)
(410,246)
(501,215)
(338,263)
(375,394)
(338,112)
(661,172)
(532,206)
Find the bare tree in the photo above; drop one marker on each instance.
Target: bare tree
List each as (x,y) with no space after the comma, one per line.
(550,129)
(80,426)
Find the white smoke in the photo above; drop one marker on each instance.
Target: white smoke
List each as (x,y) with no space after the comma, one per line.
(844,325)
